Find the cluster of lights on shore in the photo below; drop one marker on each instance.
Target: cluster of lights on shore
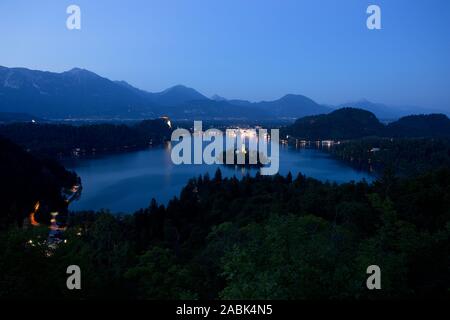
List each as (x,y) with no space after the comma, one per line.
(187,144)
(51,242)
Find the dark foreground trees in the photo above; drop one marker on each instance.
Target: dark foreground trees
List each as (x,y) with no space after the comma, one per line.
(258,238)
(56,140)
(404,156)
(26,180)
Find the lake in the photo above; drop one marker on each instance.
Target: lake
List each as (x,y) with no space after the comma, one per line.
(127,182)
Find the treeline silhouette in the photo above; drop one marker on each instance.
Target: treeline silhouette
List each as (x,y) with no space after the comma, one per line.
(403,156)
(258,238)
(25,180)
(64,140)
(353,123)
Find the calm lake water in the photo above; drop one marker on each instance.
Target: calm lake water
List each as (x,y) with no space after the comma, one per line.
(126,182)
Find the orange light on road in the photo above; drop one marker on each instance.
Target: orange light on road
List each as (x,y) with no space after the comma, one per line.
(32,218)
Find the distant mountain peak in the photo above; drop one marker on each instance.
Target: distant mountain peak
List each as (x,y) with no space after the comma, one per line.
(178,94)
(382,111)
(79,73)
(177,87)
(351,111)
(77,70)
(291,95)
(294,97)
(216,97)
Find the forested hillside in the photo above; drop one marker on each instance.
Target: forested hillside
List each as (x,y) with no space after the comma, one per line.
(61,139)
(352,123)
(402,156)
(432,125)
(259,238)
(25,180)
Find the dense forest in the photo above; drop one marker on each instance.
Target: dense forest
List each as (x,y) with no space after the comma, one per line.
(25,180)
(258,238)
(431,125)
(404,156)
(224,238)
(34,177)
(346,123)
(353,123)
(53,140)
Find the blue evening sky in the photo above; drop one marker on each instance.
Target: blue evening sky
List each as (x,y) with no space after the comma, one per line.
(248,49)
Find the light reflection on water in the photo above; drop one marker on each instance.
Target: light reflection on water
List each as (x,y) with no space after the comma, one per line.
(126,182)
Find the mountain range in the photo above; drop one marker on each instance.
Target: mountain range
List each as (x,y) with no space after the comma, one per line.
(81,94)
(387,112)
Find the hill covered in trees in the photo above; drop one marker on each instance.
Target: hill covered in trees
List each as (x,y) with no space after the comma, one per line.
(26,180)
(345,123)
(258,238)
(402,156)
(432,125)
(61,139)
(353,123)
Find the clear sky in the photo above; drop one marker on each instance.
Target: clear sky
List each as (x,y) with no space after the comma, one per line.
(248,49)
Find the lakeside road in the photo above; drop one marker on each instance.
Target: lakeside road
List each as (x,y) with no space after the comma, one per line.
(55,230)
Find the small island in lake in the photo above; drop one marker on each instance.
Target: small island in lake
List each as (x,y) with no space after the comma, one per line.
(244,158)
